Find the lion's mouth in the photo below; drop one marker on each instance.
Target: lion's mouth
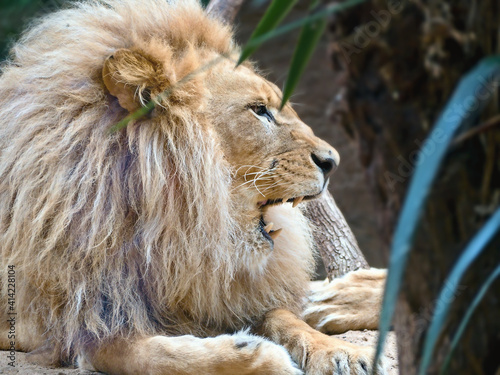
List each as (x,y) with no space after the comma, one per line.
(267,229)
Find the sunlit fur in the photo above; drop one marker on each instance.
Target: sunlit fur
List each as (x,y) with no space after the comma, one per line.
(137,232)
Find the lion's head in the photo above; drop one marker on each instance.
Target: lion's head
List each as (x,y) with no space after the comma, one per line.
(164,225)
(274,157)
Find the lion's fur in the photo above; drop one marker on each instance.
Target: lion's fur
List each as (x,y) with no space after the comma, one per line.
(136,232)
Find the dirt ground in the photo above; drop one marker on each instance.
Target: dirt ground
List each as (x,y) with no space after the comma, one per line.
(356,337)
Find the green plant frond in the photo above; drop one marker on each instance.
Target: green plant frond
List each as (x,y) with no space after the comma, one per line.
(467,97)
(468,314)
(255,41)
(472,251)
(308,39)
(277,10)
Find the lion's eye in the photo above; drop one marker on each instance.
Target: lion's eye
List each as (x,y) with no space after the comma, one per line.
(261,110)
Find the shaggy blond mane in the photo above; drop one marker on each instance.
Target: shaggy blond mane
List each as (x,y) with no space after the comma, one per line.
(134,232)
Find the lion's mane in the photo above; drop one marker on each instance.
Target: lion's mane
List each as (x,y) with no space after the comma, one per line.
(132,232)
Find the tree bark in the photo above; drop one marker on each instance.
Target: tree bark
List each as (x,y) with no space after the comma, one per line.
(397,64)
(333,237)
(226,10)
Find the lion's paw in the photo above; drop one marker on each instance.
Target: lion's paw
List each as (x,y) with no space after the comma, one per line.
(264,356)
(342,359)
(348,303)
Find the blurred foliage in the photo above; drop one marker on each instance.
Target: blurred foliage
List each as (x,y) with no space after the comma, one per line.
(420,187)
(15,16)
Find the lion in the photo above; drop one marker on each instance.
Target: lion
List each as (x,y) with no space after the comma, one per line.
(173,245)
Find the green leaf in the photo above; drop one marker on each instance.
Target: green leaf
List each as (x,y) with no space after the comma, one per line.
(256,41)
(468,314)
(473,250)
(308,39)
(273,16)
(470,96)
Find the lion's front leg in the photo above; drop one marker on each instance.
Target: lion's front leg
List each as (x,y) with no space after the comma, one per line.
(241,354)
(315,352)
(351,302)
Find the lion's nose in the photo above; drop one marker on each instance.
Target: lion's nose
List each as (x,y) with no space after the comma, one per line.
(327,161)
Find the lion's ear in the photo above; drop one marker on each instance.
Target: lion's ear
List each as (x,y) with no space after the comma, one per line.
(132,77)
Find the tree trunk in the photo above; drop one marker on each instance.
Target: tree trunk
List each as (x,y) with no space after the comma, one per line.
(396,64)
(334,239)
(226,10)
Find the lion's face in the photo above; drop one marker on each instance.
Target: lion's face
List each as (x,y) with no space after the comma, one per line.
(275,156)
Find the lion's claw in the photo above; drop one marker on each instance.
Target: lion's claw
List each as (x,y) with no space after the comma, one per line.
(341,358)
